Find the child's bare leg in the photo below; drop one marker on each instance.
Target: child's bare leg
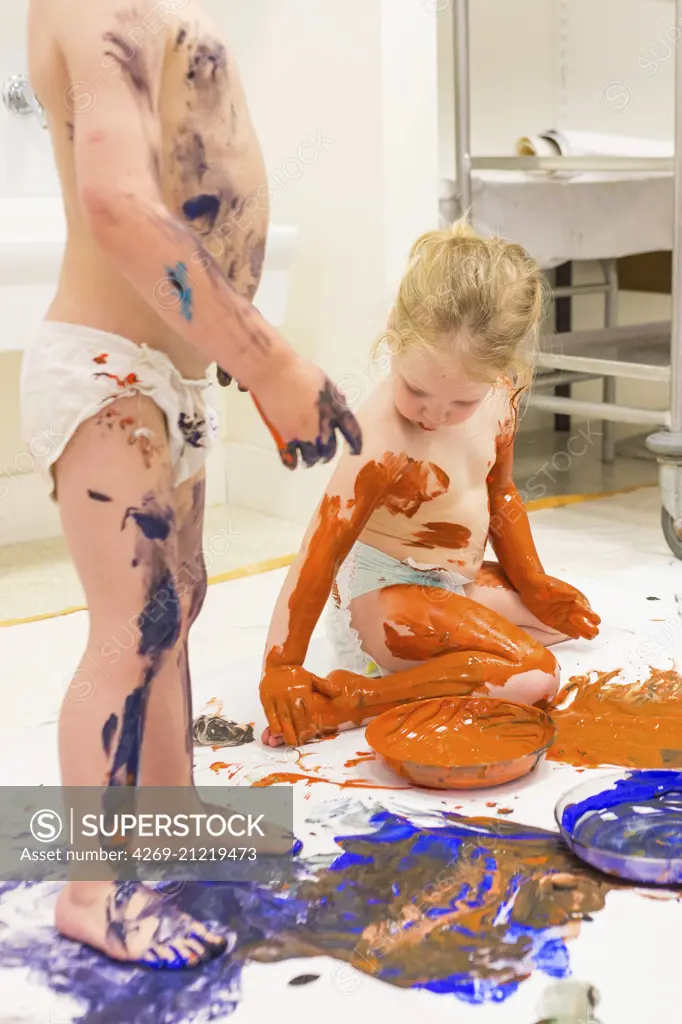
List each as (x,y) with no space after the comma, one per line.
(119,514)
(435,643)
(493,589)
(167,757)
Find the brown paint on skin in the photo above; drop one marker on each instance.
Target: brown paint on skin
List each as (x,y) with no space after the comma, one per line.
(632,725)
(555,603)
(416,483)
(533,882)
(397,483)
(481,653)
(419,629)
(441,535)
(505,810)
(491,574)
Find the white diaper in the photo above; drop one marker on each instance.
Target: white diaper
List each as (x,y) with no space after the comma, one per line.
(70,373)
(366,569)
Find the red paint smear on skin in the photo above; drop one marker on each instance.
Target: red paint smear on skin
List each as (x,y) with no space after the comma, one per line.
(101,359)
(441,535)
(127,421)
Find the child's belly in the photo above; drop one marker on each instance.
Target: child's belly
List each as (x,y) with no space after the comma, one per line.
(448,533)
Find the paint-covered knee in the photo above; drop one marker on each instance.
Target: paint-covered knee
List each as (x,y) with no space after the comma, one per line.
(537,680)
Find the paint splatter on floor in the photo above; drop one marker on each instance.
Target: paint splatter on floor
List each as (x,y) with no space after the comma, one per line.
(467,908)
(604,721)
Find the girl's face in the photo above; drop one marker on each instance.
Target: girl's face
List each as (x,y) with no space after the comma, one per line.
(432,390)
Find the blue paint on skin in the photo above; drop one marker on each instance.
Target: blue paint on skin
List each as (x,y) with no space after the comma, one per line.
(159,623)
(125,766)
(154,523)
(159,630)
(203,207)
(108,733)
(98,496)
(639,816)
(481,889)
(179,279)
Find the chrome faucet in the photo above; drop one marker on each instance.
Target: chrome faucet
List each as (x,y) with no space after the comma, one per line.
(20,99)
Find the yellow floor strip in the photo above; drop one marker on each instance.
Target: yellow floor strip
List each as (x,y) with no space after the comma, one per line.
(552,501)
(561,500)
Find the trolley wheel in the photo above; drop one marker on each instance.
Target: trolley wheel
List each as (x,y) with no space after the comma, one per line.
(672,535)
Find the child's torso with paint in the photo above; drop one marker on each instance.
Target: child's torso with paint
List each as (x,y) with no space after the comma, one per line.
(437,514)
(204,153)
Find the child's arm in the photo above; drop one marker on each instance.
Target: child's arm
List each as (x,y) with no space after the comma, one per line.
(554,602)
(117,148)
(356,488)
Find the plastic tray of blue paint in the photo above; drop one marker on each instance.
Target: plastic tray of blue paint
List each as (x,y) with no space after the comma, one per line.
(627,824)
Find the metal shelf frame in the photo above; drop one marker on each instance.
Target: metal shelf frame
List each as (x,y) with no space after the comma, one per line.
(667,443)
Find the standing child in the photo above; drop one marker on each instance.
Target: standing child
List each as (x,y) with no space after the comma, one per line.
(399,537)
(165,194)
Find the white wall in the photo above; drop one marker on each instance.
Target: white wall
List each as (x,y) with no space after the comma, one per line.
(363,74)
(364,79)
(538,64)
(358,77)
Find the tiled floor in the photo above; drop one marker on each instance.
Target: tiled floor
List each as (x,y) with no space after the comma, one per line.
(612,549)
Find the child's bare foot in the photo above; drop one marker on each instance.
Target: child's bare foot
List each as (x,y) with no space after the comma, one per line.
(131,923)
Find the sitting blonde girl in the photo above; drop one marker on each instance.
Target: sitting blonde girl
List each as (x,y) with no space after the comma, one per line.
(396,546)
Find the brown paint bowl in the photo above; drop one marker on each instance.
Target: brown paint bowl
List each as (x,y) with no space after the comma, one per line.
(461,742)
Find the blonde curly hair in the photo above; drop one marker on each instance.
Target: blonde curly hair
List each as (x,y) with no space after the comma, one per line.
(483,298)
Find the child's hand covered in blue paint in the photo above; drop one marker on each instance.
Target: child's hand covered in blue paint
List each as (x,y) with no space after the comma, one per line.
(303,411)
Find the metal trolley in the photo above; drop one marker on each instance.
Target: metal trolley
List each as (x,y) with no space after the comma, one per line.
(644,352)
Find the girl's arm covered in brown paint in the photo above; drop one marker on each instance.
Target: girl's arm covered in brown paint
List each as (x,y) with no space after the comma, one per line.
(554,602)
(510,533)
(354,491)
(117,151)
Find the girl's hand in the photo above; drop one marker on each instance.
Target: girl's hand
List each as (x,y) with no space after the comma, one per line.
(560,606)
(287,694)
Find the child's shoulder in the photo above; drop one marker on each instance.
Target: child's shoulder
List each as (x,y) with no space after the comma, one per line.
(379,418)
